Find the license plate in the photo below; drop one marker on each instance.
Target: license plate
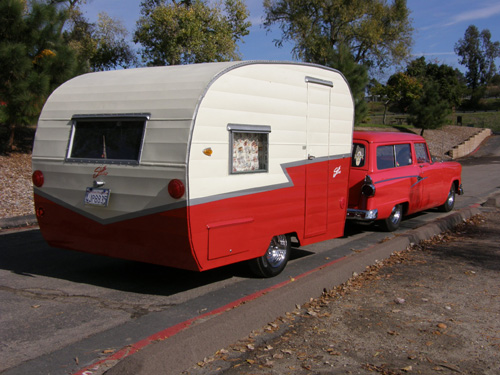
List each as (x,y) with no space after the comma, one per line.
(97,197)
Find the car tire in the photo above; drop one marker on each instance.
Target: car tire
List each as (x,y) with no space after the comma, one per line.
(392,222)
(274,261)
(450,201)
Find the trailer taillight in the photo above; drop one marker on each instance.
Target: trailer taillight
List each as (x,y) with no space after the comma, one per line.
(176,189)
(38,178)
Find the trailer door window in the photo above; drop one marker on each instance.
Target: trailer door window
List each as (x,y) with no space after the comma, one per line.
(249,148)
(116,140)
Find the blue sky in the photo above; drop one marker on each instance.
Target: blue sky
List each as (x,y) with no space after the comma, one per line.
(438,25)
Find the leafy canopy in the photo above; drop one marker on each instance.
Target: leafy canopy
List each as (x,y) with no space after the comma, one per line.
(478,54)
(186,32)
(34,60)
(441,92)
(376,33)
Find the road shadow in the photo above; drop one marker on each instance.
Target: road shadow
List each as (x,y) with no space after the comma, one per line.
(27,254)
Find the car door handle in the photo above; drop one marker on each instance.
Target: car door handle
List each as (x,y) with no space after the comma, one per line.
(311,157)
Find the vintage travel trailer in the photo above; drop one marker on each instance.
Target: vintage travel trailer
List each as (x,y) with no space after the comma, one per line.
(195,166)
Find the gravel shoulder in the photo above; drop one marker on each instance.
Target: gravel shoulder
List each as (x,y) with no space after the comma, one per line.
(433,309)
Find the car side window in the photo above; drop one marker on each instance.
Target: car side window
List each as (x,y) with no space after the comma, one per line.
(403,155)
(421,153)
(385,157)
(391,156)
(358,155)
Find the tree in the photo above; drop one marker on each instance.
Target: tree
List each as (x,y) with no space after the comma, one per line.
(34,60)
(401,90)
(478,54)
(357,77)
(377,34)
(442,91)
(449,80)
(99,46)
(430,110)
(185,32)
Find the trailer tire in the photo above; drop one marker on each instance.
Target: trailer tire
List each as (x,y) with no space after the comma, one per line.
(275,259)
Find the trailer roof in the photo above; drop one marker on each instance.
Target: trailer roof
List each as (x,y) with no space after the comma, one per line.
(167,92)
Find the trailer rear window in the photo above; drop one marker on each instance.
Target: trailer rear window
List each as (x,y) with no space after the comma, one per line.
(249,148)
(116,140)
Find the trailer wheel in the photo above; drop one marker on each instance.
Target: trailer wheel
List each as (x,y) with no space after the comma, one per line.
(275,259)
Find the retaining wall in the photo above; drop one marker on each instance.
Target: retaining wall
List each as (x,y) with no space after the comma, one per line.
(470,145)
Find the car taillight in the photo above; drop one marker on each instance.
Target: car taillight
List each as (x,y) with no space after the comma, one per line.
(176,189)
(368,188)
(38,178)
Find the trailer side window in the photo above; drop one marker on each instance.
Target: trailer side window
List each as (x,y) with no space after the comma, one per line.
(249,148)
(112,139)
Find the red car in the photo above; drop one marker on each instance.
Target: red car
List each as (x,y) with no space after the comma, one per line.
(393,175)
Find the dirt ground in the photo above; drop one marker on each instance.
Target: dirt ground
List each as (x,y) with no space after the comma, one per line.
(433,309)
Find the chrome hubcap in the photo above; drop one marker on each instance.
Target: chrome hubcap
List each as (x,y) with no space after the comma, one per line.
(451,198)
(276,252)
(395,215)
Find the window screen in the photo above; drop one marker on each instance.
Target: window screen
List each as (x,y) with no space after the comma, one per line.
(249,148)
(117,140)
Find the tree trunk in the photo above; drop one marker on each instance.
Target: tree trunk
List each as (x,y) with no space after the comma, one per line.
(10,142)
(386,104)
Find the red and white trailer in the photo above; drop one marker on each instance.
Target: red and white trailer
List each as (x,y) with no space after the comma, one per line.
(195,166)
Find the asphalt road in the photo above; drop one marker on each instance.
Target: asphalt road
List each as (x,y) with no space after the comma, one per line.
(62,311)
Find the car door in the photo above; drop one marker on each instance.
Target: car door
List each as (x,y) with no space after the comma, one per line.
(429,177)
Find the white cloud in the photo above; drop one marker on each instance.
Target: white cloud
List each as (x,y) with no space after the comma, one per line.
(481,13)
(416,54)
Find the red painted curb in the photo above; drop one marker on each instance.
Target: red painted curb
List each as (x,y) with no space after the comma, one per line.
(171,331)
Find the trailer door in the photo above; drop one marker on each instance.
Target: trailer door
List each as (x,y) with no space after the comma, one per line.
(318,130)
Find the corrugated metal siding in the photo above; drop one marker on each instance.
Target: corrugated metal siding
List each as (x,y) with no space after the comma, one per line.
(262,94)
(169,94)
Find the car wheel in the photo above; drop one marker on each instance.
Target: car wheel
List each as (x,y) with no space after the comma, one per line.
(275,259)
(450,201)
(392,222)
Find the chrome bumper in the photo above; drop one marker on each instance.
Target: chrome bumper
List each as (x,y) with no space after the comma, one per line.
(362,214)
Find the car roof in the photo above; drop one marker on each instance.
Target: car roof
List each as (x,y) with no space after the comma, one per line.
(384,137)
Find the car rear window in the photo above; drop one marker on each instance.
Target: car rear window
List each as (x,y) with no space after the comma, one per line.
(358,155)
(115,140)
